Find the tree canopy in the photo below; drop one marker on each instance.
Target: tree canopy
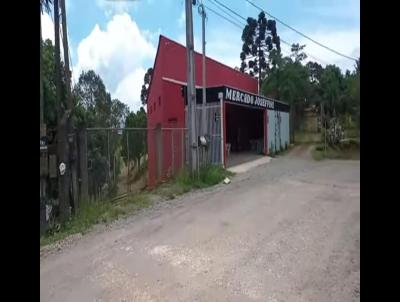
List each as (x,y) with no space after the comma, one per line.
(259,39)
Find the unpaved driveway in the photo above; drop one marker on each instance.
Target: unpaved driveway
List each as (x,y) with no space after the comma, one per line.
(285,231)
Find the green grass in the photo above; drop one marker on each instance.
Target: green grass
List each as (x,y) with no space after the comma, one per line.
(347,150)
(94,213)
(98,212)
(301,137)
(184,182)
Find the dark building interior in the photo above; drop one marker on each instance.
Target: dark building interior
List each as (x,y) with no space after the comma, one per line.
(244,129)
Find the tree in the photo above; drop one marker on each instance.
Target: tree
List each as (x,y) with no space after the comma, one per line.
(314,71)
(91,96)
(289,81)
(137,138)
(119,112)
(95,108)
(297,52)
(145,87)
(259,39)
(331,87)
(49,85)
(45,6)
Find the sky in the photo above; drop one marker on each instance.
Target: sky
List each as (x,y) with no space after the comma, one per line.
(118,38)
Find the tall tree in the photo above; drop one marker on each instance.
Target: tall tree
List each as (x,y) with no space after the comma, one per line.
(259,39)
(145,87)
(331,87)
(95,108)
(45,6)
(137,138)
(288,81)
(297,52)
(314,71)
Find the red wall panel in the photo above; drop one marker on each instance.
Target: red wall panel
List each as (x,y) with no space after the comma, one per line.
(166,98)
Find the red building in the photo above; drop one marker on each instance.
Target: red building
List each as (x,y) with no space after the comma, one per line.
(166,105)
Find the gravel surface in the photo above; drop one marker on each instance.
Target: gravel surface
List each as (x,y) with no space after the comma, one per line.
(285,231)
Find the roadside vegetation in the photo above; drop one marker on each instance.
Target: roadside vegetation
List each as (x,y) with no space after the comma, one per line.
(347,149)
(185,182)
(106,211)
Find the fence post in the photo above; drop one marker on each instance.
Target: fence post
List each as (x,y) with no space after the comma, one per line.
(183,148)
(83,161)
(127,148)
(173,152)
(109,157)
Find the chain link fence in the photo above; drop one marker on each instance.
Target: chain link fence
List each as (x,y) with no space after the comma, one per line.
(127,160)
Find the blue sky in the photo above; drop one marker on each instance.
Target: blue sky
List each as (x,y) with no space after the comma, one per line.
(118,39)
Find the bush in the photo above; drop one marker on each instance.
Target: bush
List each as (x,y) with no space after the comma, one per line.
(208,176)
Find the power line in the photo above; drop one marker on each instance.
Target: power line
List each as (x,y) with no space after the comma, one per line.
(234,23)
(232,11)
(228,14)
(300,33)
(308,54)
(237,14)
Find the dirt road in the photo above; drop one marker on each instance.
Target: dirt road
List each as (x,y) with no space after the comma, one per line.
(285,231)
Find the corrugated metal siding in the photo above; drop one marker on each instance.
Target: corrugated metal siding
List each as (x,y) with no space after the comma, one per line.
(285,129)
(271,131)
(213,113)
(278,130)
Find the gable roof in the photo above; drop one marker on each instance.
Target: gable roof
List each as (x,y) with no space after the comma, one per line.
(162,44)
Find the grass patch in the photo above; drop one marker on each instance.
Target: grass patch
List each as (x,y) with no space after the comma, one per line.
(301,137)
(349,149)
(184,182)
(94,213)
(97,212)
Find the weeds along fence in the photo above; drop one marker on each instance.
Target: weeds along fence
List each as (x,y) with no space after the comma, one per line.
(127,160)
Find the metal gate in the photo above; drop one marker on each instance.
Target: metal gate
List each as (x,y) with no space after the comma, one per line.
(213,113)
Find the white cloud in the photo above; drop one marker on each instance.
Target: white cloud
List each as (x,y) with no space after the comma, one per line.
(129,88)
(182,19)
(119,54)
(111,8)
(47,27)
(48,32)
(346,42)
(222,44)
(152,36)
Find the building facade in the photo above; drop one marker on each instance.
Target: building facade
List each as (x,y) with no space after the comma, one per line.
(239,120)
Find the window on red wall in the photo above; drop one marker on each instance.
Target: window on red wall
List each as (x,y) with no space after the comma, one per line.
(159,101)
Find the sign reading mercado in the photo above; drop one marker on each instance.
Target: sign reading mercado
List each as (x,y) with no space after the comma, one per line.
(245,98)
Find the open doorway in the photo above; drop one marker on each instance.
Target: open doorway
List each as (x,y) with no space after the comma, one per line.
(244,133)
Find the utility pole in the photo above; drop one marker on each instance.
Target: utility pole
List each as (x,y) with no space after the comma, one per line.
(203,111)
(62,117)
(42,132)
(259,66)
(191,90)
(68,95)
(43,155)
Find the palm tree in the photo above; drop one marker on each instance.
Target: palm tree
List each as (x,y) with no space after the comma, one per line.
(45,5)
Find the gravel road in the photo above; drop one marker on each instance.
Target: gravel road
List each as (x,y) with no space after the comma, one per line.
(288,230)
